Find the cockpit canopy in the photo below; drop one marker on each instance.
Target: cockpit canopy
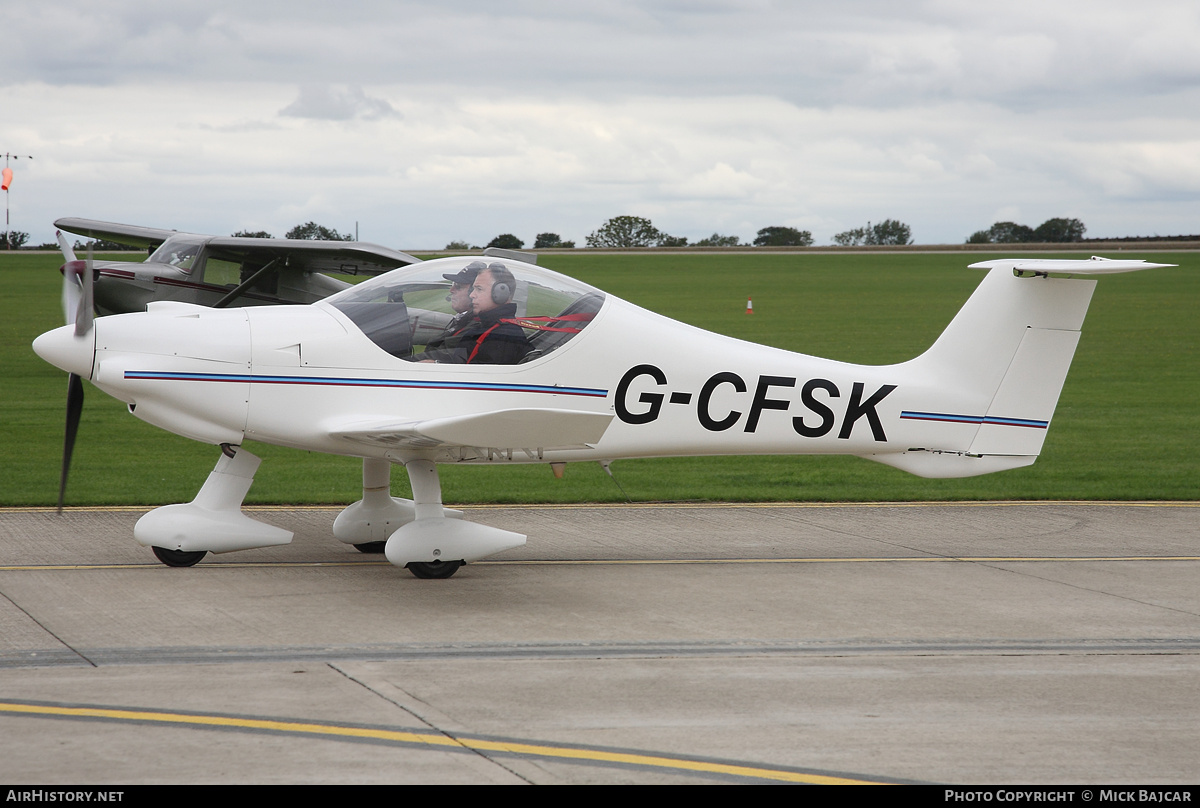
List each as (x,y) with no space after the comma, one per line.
(411,312)
(178,251)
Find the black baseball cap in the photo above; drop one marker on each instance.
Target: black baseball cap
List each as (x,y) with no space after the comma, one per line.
(467,274)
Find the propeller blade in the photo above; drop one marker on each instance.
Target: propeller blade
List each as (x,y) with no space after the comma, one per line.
(77,299)
(65,246)
(72,291)
(74,412)
(85,313)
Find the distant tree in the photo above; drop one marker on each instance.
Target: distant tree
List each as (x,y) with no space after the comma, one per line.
(550,240)
(1010,233)
(887,232)
(253,234)
(506,241)
(851,238)
(779,236)
(717,240)
(1060,230)
(671,241)
(625,231)
(1052,231)
(458,246)
(15,240)
(315,232)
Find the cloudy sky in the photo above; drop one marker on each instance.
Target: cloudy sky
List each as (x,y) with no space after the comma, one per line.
(426,122)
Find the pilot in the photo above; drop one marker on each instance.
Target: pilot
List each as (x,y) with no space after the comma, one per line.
(442,347)
(492,338)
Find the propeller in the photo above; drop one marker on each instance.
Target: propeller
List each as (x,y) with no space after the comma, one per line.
(77,296)
(72,271)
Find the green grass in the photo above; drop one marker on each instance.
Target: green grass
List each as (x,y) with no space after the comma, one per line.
(1126,425)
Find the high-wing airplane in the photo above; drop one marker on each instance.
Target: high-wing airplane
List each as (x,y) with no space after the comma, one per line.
(222,271)
(545,369)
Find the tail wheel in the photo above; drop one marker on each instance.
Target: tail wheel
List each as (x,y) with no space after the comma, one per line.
(433,569)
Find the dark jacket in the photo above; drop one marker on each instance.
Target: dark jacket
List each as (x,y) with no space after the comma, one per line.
(487,340)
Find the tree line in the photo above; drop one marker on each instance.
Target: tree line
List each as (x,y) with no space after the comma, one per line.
(1053,231)
(635,231)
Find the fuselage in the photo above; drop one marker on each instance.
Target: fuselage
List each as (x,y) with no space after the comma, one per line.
(302,376)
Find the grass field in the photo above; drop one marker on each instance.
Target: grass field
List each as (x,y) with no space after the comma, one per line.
(1125,428)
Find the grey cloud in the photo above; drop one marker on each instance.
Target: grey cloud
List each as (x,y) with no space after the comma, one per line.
(331,103)
(866,53)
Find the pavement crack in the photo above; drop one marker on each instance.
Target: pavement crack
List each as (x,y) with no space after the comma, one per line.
(1093,590)
(47,629)
(427,721)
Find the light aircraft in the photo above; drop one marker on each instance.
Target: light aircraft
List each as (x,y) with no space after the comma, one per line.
(582,376)
(222,271)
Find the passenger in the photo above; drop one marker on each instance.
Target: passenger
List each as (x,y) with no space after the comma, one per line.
(441,348)
(492,338)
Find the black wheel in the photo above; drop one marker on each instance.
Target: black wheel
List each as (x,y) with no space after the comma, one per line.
(371,546)
(433,569)
(179,558)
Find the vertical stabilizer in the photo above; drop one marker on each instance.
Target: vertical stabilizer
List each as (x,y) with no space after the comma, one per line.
(992,379)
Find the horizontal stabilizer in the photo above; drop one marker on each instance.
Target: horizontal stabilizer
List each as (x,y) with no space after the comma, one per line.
(1070,266)
(941,465)
(503,429)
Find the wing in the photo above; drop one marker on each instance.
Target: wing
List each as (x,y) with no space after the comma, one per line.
(503,429)
(296,255)
(340,257)
(130,234)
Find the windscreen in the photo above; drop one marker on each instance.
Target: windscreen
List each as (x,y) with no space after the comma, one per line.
(470,311)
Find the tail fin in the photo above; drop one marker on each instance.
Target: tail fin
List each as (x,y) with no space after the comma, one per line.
(997,370)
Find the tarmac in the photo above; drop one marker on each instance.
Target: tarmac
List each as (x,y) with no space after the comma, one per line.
(967,643)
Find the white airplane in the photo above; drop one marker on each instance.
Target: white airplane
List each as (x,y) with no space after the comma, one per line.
(545,369)
(222,271)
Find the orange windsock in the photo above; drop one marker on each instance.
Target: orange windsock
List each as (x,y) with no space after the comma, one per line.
(7,179)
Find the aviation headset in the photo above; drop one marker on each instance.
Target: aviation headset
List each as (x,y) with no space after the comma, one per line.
(503,283)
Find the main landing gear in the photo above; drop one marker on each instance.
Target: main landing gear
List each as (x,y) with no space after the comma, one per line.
(420,534)
(431,541)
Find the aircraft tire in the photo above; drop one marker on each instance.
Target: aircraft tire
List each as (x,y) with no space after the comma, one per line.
(179,558)
(371,546)
(433,569)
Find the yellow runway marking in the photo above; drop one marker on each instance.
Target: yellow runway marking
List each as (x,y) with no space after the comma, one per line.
(906,560)
(433,740)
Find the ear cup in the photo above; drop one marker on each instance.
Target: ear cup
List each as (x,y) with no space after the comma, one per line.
(501,292)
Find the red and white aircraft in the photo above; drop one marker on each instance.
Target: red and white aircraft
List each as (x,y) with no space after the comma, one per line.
(540,368)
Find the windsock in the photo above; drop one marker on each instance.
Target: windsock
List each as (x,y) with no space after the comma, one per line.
(7,173)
